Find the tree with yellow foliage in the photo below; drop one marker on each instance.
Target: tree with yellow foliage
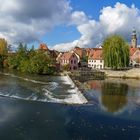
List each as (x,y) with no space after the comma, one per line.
(3,50)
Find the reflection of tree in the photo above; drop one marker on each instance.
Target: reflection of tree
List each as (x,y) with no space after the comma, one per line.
(114,96)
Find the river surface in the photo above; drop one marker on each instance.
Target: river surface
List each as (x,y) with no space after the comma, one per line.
(48,108)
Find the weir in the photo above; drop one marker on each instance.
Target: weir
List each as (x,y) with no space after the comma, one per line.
(62,91)
(78,92)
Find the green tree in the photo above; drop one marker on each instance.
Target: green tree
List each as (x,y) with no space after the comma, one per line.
(3,51)
(66,67)
(16,60)
(31,61)
(40,63)
(115,52)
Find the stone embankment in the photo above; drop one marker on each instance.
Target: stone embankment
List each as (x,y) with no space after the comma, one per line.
(131,73)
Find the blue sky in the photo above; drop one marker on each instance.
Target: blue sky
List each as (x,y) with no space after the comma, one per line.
(92,8)
(63,24)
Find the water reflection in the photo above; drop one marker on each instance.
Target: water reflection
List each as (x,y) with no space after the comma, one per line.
(114,96)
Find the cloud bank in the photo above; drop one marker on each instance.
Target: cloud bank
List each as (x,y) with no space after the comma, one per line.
(27,21)
(119,19)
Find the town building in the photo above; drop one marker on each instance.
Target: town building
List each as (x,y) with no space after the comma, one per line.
(134,51)
(134,39)
(68,59)
(82,56)
(95,60)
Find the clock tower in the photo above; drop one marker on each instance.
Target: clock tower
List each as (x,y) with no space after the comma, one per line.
(134,39)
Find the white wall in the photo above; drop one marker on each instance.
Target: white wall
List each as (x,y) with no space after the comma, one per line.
(96,64)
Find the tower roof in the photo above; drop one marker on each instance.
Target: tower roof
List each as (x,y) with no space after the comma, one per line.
(134,32)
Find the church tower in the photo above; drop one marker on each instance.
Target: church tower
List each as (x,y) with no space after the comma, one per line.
(134,39)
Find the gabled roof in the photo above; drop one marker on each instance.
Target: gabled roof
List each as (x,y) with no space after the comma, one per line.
(67,55)
(133,50)
(96,54)
(79,52)
(43,47)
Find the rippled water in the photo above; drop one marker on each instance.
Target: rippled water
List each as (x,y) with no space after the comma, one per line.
(39,88)
(48,108)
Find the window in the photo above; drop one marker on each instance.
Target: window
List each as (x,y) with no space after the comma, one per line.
(101,61)
(74,61)
(71,61)
(94,60)
(95,66)
(100,66)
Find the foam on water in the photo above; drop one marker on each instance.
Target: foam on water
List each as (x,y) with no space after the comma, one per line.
(53,84)
(73,95)
(66,80)
(69,99)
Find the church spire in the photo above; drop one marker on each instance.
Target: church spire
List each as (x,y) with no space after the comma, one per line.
(134,39)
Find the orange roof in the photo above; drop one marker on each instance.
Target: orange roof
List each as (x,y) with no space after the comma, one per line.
(43,47)
(96,53)
(78,51)
(67,56)
(88,51)
(132,50)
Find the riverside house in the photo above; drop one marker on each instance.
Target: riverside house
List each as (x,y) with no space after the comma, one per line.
(95,60)
(135,57)
(68,59)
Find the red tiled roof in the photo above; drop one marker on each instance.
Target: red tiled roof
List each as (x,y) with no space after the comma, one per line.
(78,51)
(88,51)
(66,56)
(96,54)
(132,51)
(43,47)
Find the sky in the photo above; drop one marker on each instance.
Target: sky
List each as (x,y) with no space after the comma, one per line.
(64,24)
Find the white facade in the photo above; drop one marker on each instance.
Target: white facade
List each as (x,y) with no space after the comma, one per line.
(96,64)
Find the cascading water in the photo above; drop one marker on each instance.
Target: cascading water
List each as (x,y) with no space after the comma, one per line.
(58,90)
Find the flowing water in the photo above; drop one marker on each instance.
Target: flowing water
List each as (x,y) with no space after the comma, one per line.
(49,108)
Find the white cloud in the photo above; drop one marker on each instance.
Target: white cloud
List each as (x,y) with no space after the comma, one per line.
(65,46)
(78,18)
(119,19)
(27,21)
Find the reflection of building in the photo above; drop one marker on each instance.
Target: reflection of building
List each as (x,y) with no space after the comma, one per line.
(96,85)
(95,60)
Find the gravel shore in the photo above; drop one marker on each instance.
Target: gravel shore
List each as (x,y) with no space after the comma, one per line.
(132,73)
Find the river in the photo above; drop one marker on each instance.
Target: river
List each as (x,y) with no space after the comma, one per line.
(47,108)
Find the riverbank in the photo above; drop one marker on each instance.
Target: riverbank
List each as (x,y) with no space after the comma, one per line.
(131,73)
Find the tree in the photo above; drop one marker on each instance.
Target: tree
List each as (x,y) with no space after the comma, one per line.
(66,67)
(31,61)
(16,60)
(40,63)
(115,52)
(3,50)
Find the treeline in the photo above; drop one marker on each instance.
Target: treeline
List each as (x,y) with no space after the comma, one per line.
(26,60)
